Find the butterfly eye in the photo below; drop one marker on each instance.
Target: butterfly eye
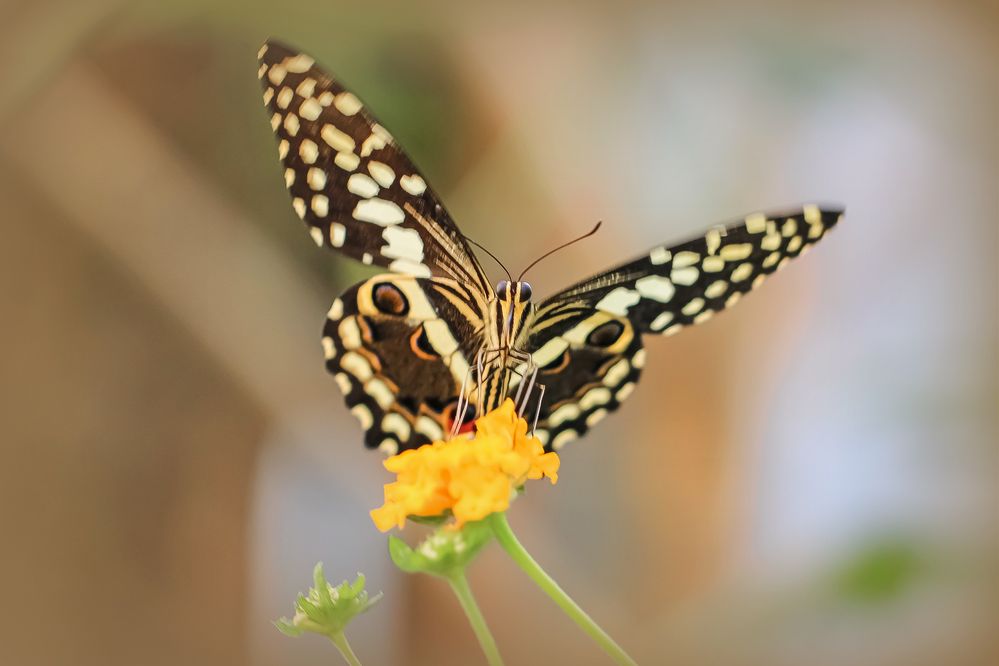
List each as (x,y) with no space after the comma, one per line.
(525,291)
(389,299)
(503,289)
(605,334)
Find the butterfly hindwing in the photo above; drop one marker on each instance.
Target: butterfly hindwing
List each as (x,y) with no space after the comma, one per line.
(588,364)
(398,348)
(661,292)
(349,181)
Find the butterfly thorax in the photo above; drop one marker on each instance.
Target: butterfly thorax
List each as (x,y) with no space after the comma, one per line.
(507,323)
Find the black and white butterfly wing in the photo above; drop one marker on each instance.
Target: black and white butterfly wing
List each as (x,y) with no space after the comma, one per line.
(349,181)
(587,339)
(397,343)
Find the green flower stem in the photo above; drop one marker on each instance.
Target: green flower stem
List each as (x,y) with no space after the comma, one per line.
(340,641)
(459,583)
(513,547)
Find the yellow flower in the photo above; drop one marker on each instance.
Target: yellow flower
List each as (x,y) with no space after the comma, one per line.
(473,477)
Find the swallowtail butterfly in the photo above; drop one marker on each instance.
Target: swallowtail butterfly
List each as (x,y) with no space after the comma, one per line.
(417,349)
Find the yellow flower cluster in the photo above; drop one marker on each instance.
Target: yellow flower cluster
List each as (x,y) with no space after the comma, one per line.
(473,477)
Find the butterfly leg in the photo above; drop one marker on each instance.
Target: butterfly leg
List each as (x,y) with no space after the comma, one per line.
(461,410)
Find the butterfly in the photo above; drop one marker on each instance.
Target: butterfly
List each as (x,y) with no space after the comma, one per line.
(417,350)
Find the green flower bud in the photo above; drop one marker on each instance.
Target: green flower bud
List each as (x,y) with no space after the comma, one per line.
(444,552)
(327,609)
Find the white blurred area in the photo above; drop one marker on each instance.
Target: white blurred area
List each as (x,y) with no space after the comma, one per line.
(809,478)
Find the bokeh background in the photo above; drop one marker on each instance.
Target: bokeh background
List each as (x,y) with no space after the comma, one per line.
(809,478)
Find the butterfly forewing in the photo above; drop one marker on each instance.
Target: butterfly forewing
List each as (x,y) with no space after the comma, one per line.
(349,181)
(586,339)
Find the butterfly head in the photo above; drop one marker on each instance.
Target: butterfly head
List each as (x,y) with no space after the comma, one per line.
(513,303)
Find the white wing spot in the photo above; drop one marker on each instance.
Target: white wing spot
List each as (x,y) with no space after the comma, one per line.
(347,161)
(316,178)
(713,264)
(685,276)
(756,223)
(685,258)
(389,446)
(790,227)
(402,244)
(617,372)
(624,392)
(381,393)
(595,397)
(308,151)
(638,360)
(427,426)
(693,307)
(564,438)
(566,412)
(284,97)
(329,350)
(661,321)
(736,251)
(704,316)
(262,51)
(362,185)
(363,415)
(656,287)
(276,74)
(713,240)
(350,333)
(659,255)
(336,310)
(268,95)
(794,244)
(325,98)
(337,140)
(310,109)
(770,242)
(366,258)
(289,177)
(261,70)
(283,148)
(812,214)
(595,417)
(382,173)
(397,425)
(378,139)
(338,234)
(413,184)
(356,365)
(275,121)
(317,235)
(378,211)
(618,301)
(306,87)
(291,124)
(744,270)
(299,205)
(732,299)
(299,64)
(320,205)
(347,103)
(716,289)
(343,381)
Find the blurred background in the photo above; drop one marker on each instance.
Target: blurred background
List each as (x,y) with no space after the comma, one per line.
(809,478)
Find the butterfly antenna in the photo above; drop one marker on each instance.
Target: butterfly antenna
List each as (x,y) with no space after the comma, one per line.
(560,247)
(505,270)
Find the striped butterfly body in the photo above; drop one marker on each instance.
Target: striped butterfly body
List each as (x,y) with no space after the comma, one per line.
(411,347)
